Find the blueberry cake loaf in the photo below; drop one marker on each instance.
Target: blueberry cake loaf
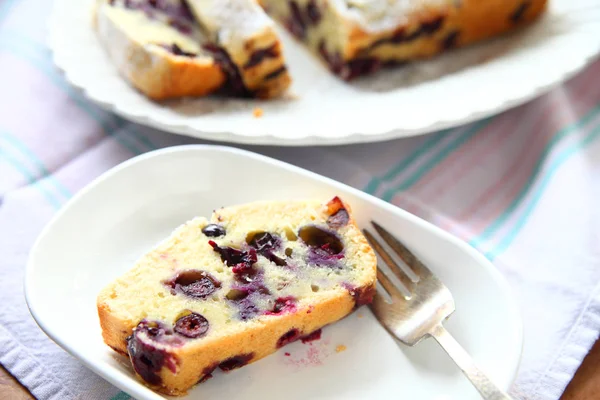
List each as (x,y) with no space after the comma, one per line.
(158,47)
(356,37)
(245,42)
(227,292)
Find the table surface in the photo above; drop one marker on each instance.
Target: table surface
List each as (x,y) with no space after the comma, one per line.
(585,385)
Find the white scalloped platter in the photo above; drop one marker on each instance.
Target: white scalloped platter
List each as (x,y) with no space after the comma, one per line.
(449,90)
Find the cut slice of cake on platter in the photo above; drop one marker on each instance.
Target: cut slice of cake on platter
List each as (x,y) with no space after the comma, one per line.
(163,50)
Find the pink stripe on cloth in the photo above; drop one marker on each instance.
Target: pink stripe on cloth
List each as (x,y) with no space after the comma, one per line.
(444,177)
(492,202)
(448,174)
(525,154)
(438,180)
(463,160)
(523,162)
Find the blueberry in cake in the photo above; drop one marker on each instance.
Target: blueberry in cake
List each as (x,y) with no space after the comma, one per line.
(357,37)
(227,292)
(162,50)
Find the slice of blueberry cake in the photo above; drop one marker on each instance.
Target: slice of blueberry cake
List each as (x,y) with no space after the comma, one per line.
(158,47)
(246,43)
(227,292)
(357,37)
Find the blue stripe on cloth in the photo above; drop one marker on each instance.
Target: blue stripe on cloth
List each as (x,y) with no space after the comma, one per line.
(121,396)
(43,171)
(444,153)
(544,182)
(556,139)
(373,185)
(31,179)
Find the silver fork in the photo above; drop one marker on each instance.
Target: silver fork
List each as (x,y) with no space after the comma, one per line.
(411,318)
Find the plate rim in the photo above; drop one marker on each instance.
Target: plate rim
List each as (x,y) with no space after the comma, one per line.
(236,135)
(135,388)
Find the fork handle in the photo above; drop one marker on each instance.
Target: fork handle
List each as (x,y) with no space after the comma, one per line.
(487,388)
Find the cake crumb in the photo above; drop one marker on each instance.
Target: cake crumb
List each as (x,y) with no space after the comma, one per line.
(287,354)
(340,348)
(258,112)
(359,315)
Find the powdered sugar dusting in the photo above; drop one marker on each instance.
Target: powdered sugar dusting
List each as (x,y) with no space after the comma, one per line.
(379,15)
(231,21)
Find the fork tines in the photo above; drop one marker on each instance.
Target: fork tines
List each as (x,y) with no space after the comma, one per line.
(417,267)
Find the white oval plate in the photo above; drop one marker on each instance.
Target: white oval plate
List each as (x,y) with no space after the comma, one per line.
(99,234)
(447,91)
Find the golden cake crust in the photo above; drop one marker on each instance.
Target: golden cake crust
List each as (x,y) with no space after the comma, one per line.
(262,340)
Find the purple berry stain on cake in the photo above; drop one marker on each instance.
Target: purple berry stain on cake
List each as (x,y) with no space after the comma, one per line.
(295,23)
(325,247)
(313,12)
(214,230)
(430,27)
(519,13)
(274,74)
(194,283)
(235,84)
(300,19)
(364,63)
(324,256)
(247,309)
(339,219)
(311,337)
(248,287)
(248,276)
(176,50)
(146,348)
(236,362)
(283,305)
(240,260)
(338,215)
(251,281)
(334,61)
(265,244)
(317,237)
(192,326)
(362,295)
(450,40)
(260,55)
(207,372)
(400,36)
(351,69)
(290,336)
(178,15)
(263,241)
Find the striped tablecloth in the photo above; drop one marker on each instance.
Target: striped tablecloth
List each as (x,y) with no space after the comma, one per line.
(523,187)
